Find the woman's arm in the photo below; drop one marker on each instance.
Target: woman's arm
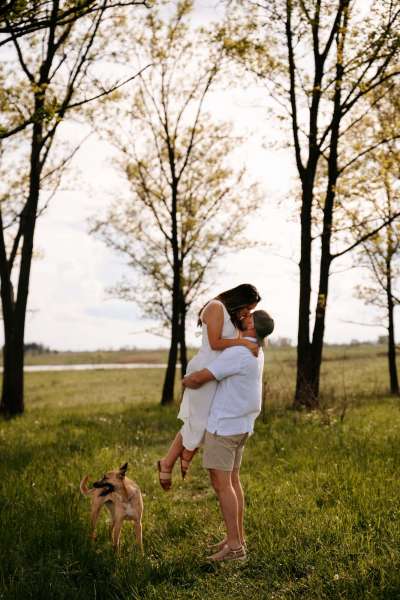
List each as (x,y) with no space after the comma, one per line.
(213,317)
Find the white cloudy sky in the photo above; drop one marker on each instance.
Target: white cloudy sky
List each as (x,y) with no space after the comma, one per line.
(69,306)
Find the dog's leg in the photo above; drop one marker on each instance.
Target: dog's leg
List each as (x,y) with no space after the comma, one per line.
(93,517)
(138,533)
(111,529)
(116,532)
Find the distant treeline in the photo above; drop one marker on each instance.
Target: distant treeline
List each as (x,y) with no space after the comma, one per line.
(284,342)
(34,348)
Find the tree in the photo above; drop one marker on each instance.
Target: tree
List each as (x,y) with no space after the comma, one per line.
(47,71)
(186,203)
(23,19)
(381,256)
(321,62)
(379,182)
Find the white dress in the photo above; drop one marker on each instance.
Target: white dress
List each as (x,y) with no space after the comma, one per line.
(196,404)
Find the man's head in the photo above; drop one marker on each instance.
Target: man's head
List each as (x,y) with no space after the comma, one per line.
(258,324)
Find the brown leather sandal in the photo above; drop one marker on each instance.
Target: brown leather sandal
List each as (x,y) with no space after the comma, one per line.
(164,477)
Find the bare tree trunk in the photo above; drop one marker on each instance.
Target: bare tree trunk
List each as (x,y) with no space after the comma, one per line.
(309,390)
(394,382)
(12,399)
(319,328)
(182,339)
(326,257)
(167,396)
(325,263)
(302,394)
(14,313)
(169,381)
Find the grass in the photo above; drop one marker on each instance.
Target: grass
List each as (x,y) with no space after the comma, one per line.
(323,517)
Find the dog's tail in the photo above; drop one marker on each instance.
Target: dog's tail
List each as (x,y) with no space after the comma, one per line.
(84,488)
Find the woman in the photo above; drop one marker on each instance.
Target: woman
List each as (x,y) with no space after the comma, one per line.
(219,319)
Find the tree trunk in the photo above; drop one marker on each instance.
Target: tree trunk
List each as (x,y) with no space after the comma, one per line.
(182,339)
(302,394)
(394,382)
(12,399)
(309,393)
(319,327)
(167,396)
(169,381)
(14,314)
(326,257)
(325,263)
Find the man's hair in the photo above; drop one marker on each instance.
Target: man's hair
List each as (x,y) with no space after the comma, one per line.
(263,324)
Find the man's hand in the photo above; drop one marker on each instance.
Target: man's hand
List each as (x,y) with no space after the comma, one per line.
(190,382)
(197,379)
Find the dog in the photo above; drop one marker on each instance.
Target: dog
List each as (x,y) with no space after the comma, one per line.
(122,497)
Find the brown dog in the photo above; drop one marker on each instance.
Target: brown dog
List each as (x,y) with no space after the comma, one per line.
(123,499)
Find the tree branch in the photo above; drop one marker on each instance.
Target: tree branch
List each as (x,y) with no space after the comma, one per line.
(108,91)
(65,18)
(366,236)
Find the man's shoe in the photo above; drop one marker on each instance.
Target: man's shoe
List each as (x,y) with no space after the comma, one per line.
(227,553)
(219,545)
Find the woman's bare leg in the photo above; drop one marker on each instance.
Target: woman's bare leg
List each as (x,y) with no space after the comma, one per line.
(174,451)
(186,459)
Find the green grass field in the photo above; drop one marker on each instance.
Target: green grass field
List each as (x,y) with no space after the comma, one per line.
(322,491)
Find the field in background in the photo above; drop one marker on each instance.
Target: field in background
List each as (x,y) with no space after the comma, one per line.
(322,491)
(349,373)
(160,356)
(97,357)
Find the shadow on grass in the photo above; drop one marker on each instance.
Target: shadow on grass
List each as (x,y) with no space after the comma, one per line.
(46,552)
(54,558)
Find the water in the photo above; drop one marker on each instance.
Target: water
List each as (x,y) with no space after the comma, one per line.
(93,367)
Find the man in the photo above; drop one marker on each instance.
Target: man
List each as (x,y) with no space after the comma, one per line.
(235,407)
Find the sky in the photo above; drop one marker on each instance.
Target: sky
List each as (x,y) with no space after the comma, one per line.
(69,307)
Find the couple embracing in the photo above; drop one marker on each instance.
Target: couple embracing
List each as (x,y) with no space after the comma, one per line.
(222,398)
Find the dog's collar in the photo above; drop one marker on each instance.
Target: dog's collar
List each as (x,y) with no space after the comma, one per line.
(130,497)
(122,499)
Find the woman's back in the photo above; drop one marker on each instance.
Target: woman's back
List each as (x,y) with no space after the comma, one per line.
(206,354)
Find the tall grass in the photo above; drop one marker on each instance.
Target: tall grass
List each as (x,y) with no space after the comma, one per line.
(323,517)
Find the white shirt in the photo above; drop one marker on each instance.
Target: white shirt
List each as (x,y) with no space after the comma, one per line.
(237,401)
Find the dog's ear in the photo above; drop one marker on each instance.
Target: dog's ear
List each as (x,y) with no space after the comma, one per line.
(122,470)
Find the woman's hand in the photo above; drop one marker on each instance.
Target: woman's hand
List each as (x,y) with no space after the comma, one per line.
(252,346)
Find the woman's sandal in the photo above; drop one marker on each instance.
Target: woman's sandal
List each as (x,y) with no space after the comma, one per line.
(185,463)
(164,477)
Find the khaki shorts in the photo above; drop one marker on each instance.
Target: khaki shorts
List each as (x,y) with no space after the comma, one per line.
(223,452)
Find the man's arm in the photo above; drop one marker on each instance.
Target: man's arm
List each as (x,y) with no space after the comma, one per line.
(197,379)
(228,363)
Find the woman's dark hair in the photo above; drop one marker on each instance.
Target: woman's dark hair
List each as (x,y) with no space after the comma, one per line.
(238,297)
